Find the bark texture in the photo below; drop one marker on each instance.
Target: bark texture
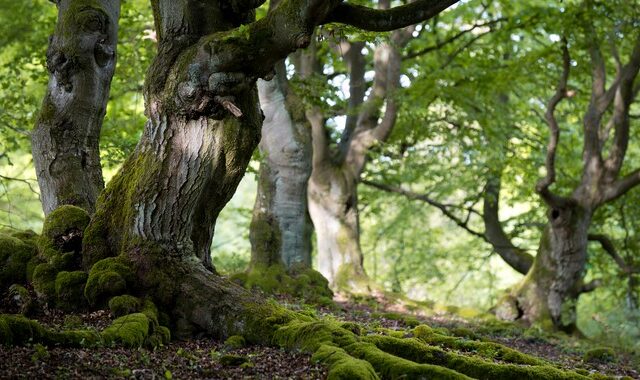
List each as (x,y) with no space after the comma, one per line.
(281,229)
(81,60)
(153,224)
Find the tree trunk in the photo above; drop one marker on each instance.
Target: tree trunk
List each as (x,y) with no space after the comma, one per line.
(81,60)
(281,228)
(548,294)
(333,208)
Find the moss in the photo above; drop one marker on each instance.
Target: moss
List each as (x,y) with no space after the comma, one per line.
(235,342)
(343,366)
(18,330)
(415,350)
(123,305)
(395,367)
(44,280)
(20,297)
(310,335)
(599,355)
(349,279)
(107,278)
(463,332)
(300,281)
(14,258)
(62,221)
(69,290)
(130,330)
(233,360)
(489,350)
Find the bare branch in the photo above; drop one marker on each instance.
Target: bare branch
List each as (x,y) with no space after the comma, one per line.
(542,187)
(421,197)
(378,20)
(610,249)
(455,37)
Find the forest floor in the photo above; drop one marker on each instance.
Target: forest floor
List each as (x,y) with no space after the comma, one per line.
(208,358)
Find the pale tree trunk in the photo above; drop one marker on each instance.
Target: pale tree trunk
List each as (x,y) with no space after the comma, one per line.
(333,198)
(81,60)
(549,293)
(281,229)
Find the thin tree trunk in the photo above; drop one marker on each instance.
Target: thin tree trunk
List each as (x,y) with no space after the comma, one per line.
(281,228)
(81,60)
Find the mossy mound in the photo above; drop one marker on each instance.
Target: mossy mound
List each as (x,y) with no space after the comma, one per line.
(63,228)
(123,305)
(599,355)
(137,329)
(234,342)
(299,281)
(108,278)
(70,290)
(19,330)
(15,255)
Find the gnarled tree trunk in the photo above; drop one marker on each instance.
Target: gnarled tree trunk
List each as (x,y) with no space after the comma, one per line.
(81,60)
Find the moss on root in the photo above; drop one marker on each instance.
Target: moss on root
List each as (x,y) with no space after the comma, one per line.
(343,366)
(70,290)
(15,255)
(599,355)
(488,350)
(138,329)
(107,278)
(63,221)
(124,304)
(299,281)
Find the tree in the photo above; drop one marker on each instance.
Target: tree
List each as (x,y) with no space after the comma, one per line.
(81,60)
(157,214)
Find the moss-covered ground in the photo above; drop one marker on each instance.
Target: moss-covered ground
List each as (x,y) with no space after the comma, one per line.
(59,319)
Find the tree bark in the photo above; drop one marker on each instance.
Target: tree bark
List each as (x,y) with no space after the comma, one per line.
(548,294)
(81,60)
(333,198)
(281,229)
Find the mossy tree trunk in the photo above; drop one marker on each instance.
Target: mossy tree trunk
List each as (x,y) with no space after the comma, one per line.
(81,60)
(333,198)
(548,294)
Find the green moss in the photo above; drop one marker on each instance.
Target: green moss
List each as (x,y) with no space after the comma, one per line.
(310,335)
(489,350)
(343,366)
(107,278)
(233,360)
(18,330)
(234,342)
(123,305)
(70,290)
(300,281)
(130,330)
(351,280)
(14,258)
(20,297)
(390,366)
(599,355)
(63,220)
(44,280)
(415,350)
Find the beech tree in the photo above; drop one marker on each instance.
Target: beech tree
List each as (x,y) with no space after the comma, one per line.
(152,229)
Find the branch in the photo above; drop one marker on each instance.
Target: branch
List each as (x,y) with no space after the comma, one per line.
(377,20)
(542,187)
(590,286)
(622,186)
(610,249)
(455,37)
(517,258)
(623,99)
(421,197)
